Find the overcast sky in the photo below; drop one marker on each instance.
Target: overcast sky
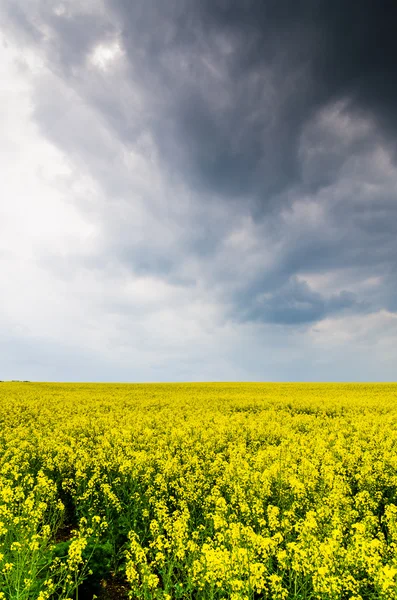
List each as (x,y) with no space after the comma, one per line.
(198,190)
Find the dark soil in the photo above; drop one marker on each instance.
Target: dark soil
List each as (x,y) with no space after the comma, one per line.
(113,590)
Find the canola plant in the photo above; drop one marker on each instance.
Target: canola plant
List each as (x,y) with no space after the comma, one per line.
(198,491)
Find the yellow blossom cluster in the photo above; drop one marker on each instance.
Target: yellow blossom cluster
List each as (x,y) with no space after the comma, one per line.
(199,491)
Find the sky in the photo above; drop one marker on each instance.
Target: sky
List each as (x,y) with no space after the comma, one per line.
(198,190)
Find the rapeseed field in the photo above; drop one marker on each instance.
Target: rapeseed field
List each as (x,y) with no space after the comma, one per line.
(198,491)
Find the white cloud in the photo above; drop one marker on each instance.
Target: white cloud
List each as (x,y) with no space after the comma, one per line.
(104,56)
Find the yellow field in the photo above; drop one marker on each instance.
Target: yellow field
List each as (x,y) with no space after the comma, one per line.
(198,491)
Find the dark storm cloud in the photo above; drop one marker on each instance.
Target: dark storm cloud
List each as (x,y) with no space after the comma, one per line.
(230,129)
(240,80)
(296,304)
(347,48)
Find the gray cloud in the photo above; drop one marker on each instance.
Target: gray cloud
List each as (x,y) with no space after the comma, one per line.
(295,304)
